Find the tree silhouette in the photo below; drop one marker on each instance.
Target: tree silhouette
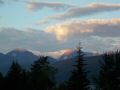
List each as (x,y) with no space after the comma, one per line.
(25,81)
(78,79)
(109,75)
(13,77)
(1,81)
(62,87)
(42,75)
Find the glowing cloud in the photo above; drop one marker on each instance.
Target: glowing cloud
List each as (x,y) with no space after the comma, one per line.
(76,28)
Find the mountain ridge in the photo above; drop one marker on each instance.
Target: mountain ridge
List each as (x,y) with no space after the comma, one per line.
(64,65)
(23,56)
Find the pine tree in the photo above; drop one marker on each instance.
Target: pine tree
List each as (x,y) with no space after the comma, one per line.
(13,77)
(42,74)
(109,75)
(25,82)
(1,81)
(78,79)
(62,87)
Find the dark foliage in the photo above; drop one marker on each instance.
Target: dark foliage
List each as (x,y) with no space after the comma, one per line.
(42,75)
(78,79)
(13,77)
(109,75)
(1,81)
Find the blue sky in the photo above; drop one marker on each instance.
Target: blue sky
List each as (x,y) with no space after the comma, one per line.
(51,22)
(16,14)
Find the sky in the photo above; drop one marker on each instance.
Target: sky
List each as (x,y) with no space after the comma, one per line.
(49,26)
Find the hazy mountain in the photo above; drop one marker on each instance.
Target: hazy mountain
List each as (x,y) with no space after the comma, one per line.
(68,59)
(66,66)
(71,54)
(51,59)
(5,62)
(24,57)
(3,57)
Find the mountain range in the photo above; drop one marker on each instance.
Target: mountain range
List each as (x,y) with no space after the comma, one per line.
(64,63)
(24,57)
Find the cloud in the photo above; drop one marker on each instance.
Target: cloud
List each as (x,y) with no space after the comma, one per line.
(79,28)
(7,1)
(57,54)
(33,6)
(11,38)
(31,39)
(54,54)
(101,44)
(46,44)
(1,2)
(77,11)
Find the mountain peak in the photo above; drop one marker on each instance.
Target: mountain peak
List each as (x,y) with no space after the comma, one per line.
(20,50)
(24,55)
(68,52)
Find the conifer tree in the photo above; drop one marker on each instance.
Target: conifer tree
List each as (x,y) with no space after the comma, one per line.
(1,81)
(78,79)
(42,75)
(25,82)
(109,75)
(13,77)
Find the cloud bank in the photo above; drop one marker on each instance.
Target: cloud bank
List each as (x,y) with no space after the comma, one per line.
(1,2)
(92,27)
(47,43)
(6,1)
(77,11)
(11,38)
(33,6)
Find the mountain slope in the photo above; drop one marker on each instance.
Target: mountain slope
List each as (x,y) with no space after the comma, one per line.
(71,54)
(66,66)
(5,62)
(24,57)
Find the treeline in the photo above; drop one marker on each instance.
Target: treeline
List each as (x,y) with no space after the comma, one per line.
(41,75)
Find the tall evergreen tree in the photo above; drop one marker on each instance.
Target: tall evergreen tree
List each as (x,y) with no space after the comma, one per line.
(13,77)
(42,74)
(25,81)
(1,81)
(78,79)
(109,75)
